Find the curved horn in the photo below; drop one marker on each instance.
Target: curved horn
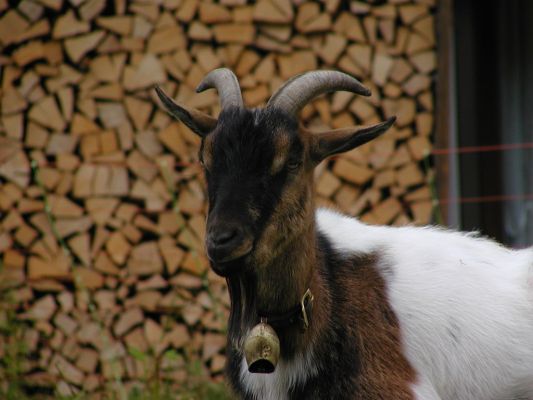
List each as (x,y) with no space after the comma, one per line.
(227,85)
(294,94)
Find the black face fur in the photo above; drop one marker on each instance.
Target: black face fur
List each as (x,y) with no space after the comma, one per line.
(250,159)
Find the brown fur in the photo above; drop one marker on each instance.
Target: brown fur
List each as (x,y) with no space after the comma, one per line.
(385,370)
(369,321)
(291,215)
(288,263)
(358,300)
(207,152)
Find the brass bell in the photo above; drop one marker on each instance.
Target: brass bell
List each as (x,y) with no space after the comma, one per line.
(261,349)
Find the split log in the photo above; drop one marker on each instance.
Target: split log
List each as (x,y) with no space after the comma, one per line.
(120,179)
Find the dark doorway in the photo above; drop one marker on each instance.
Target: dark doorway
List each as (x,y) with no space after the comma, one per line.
(494,70)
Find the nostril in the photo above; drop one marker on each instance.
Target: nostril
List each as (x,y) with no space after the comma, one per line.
(225,236)
(226,242)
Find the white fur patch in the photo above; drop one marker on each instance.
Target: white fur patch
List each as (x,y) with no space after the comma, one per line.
(276,386)
(464,305)
(424,391)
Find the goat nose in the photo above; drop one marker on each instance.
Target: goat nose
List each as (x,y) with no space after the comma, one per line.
(227,242)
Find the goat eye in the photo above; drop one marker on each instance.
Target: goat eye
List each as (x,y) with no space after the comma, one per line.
(293,165)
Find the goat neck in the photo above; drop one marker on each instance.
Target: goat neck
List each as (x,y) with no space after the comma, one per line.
(276,287)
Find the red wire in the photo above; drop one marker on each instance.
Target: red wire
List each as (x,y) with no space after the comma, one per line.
(482,149)
(488,199)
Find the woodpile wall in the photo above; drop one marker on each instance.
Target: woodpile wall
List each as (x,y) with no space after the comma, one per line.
(102,241)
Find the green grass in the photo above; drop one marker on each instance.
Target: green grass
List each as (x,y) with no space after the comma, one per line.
(13,351)
(14,357)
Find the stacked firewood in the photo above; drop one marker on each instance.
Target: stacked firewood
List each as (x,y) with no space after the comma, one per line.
(102,201)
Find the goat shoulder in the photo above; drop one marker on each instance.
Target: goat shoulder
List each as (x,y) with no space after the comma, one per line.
(464,305)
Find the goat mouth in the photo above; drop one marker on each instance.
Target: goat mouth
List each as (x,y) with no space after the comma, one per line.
(227,264)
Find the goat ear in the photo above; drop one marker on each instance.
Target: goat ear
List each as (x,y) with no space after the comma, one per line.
(328,143)
(199,122)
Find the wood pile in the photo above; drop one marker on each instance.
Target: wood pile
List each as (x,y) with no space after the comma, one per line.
(117,183)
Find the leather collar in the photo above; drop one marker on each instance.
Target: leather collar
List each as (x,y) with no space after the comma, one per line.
(300,313)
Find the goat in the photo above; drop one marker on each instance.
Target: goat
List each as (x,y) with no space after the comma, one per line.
(361,312)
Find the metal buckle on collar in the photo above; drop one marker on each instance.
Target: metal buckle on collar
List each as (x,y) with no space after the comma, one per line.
(308,296)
